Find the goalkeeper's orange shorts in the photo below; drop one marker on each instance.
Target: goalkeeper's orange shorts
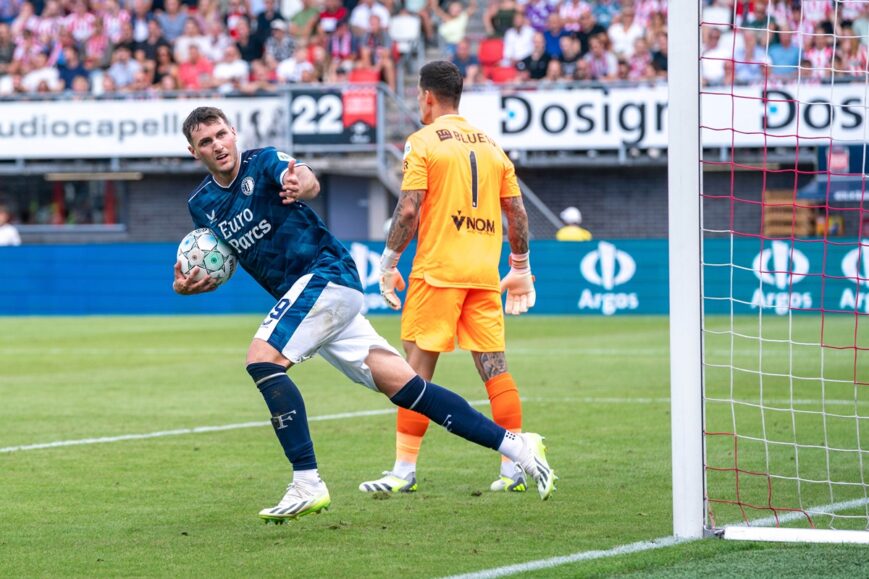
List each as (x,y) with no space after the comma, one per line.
(435,317)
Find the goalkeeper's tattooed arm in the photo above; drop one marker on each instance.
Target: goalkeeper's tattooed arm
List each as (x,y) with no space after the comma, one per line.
(405,220)
(517,223)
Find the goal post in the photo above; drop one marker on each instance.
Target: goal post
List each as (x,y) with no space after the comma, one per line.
(769,271)
(684,207)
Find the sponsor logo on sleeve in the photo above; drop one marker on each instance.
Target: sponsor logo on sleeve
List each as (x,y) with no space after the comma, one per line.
(444,134)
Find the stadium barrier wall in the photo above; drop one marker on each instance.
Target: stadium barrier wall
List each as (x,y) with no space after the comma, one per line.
(613,277)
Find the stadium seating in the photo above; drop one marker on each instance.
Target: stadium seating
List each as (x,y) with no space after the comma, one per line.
(490,53)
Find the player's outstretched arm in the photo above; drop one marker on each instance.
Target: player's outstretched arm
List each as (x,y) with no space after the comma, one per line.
(518,283)
(405,221)
(187,284)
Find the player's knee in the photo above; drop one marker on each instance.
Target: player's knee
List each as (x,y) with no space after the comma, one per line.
(261,352)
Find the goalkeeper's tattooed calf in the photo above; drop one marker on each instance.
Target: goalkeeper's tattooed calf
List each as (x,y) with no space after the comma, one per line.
(490,364)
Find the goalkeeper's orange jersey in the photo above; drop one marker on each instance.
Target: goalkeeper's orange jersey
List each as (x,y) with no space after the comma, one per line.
(464,174)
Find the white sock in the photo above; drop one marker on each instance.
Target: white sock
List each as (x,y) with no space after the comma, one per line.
(508,469)
(307,478)
(512,446)
(402,468)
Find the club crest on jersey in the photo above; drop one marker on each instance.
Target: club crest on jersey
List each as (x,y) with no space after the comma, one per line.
(247,186)
(284,157)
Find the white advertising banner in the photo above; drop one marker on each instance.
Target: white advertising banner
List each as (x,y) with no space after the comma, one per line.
(611,118)
(134,128)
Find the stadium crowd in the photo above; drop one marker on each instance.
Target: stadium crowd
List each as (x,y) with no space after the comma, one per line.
(96,47)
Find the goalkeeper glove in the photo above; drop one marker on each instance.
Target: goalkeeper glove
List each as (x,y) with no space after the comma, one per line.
(519,284)
(390,279)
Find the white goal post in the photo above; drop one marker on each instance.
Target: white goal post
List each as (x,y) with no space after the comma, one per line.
(768,382)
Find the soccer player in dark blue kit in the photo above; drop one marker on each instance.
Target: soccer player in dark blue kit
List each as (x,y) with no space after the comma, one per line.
(255,202)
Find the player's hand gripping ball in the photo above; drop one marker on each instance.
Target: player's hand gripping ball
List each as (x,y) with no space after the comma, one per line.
(201,248)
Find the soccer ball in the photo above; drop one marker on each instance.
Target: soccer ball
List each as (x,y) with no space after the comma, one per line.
(214,258)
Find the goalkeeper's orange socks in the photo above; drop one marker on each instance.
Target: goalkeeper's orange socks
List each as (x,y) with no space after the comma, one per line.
(411,426)
(506,411)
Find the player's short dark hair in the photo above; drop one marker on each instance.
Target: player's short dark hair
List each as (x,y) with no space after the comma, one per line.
(444,80)
(202,116)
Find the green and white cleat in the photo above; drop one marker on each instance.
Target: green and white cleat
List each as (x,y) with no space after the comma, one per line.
(533,462)
(298,502)
(390,483)
(514,484)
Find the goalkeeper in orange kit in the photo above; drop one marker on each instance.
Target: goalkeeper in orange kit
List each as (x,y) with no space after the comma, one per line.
(457,181)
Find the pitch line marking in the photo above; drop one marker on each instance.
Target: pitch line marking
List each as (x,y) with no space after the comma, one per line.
(199,430)
(574,558)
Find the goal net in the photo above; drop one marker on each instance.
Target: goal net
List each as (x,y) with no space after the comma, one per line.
(781,151)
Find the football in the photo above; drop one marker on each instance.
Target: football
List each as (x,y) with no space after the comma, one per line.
(214,258)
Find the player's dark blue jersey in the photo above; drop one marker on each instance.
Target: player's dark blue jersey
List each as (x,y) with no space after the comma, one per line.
(275,243)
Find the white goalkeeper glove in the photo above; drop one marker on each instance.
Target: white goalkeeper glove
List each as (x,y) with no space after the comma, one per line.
(391,279)
(519,284)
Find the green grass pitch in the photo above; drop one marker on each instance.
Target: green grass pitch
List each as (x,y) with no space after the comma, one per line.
(185,505)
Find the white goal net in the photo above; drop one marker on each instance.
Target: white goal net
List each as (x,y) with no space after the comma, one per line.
(783,89)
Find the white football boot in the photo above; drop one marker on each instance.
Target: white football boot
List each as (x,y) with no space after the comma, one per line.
(390,483)
(299,500)
(533,462)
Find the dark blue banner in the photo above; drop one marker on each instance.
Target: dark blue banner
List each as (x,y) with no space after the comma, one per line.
(599,277)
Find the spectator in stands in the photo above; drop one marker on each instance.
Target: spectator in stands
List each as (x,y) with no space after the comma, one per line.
(25,52)
(154,40)
(192,35)
(126,38)
(467,62)
(341,46)
(279,45)
(9,10)
(7,48)
(533,66)
(332,13)
(172,20)
(498,18)
(303,22)
(218,40)
(165,65)
(659,56)
(51,19)
(140,16)
(367,65)
(8,233)
(750,62)
(292,69)
(605,11)
(757,18)
(852,54)
(570,12)
(454,22)
(602,63)
(80,22)
(231,72)
(360,17)
(819,54)
(571,231)
(42,72)
(195,72)
(248,46)
(123,68)
(624,33)
(537,13)
(71,68)
(588,27)
(141,83)
(784,56)
(377,39)
(861,27)
(263,28)
(713,58)
(236,11)
(98,48)
(114,17)
(554,74)
(656,25)
(518,40)
(569,55)
(10,84)
(553,34)
(640,62)
(25,20)
(81,87)
(261,81)
(420,9)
